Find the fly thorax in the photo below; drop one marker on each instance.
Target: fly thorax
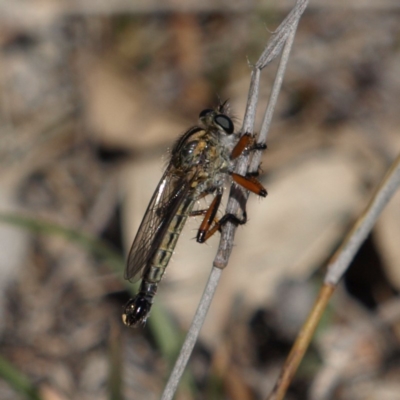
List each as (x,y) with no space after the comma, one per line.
(190,154)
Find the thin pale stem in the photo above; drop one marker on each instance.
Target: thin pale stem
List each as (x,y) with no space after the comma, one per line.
(273,99)
(340,261)
(285,30)
(285,34)
(192,335)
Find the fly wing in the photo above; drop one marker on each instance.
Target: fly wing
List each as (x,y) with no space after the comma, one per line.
(163,205)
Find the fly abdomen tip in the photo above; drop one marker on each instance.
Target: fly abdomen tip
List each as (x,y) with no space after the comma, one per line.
(136,311)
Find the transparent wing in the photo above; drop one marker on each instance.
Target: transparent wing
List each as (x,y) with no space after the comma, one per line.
(166,199)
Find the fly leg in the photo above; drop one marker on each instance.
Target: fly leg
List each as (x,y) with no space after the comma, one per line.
(250,183)
(246,142)
(204,231)
(209,216)
(196,213)
(205,234)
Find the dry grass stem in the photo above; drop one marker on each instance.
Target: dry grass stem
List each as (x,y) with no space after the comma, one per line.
(340,261)
(283,36)
(338,264)
(301,344)
(192,334)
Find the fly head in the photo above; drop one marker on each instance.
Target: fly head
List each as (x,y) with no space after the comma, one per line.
(215,119)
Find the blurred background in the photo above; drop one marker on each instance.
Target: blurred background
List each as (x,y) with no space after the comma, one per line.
(92,95)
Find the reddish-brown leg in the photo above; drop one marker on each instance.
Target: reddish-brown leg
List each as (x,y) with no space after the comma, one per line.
(209,218)
(250,183)
(205,230)
(219,224)
(246,142)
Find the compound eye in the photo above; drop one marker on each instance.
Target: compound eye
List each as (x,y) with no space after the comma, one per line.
(224,122)
(205,112)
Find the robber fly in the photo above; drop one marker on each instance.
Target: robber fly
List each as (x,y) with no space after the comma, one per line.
(201,161)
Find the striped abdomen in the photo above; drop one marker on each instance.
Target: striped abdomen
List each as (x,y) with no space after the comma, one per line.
(164,252)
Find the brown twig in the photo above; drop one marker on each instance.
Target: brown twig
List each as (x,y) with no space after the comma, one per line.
(301,344)
(337,266)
